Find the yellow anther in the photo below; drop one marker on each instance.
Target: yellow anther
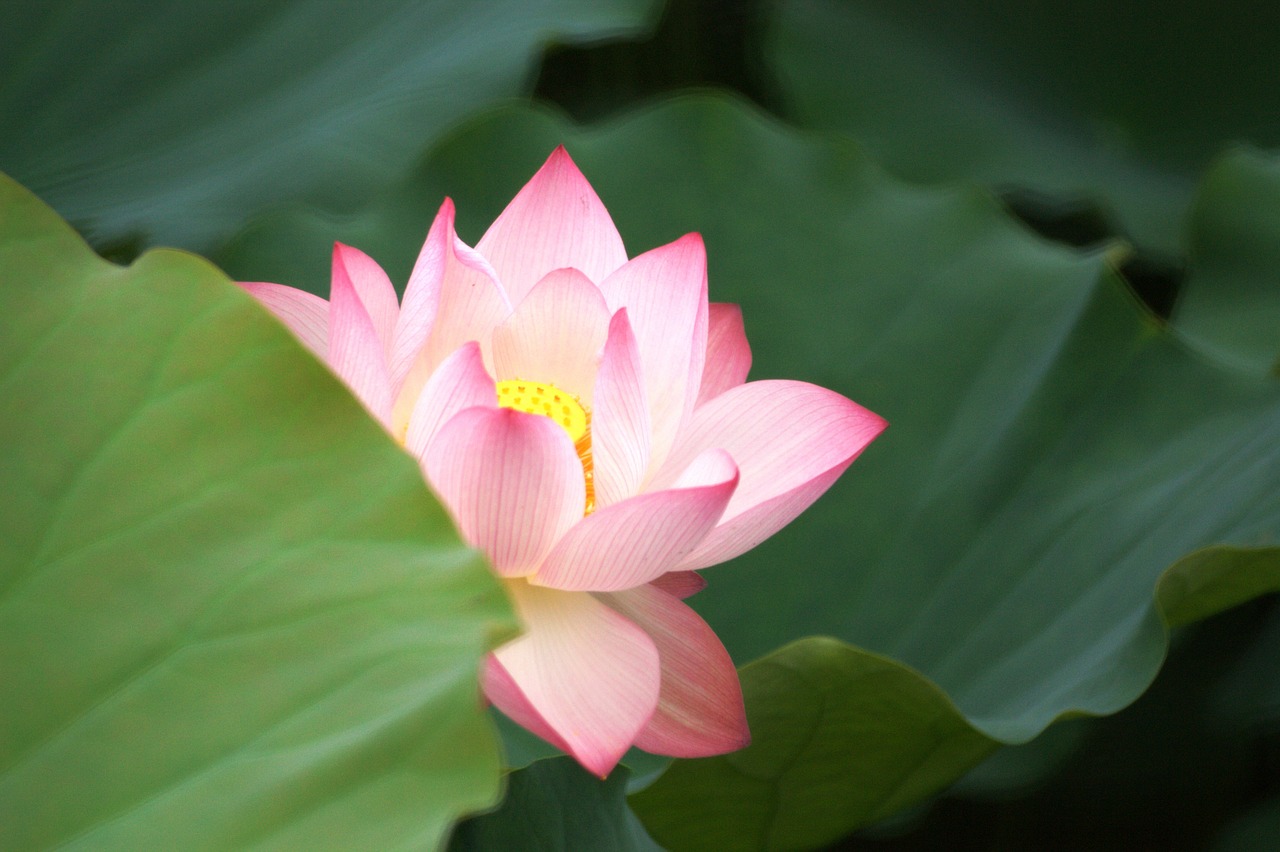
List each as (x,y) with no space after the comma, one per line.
(547,400)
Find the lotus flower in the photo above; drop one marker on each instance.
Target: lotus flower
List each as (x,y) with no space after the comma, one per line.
(586,421)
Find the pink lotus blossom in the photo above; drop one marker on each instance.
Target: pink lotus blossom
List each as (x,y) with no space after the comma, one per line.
(586,419)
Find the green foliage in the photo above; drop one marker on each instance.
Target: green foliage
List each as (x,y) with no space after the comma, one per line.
(840,737)
(1231,300)
(1116,104)
(230,612)
(533,817)
(168,121)
(1052,451)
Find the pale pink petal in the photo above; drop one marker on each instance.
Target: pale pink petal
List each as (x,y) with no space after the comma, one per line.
(555,335)
(700,711)
(501,689)
(373,287)
(682,584)
(791,440)
(728,353)
(355,352)
(555,221)
(472,304)
(459,383)
(303,313)
(469,305)
(422,294)
(640,539)
(512,481)
(590,675)
(620,417)
(665,294)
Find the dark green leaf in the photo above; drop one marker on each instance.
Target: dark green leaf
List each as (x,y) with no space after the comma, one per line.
(170,121)
(841,738)
(1231,300)
(1119,104)
(557,806)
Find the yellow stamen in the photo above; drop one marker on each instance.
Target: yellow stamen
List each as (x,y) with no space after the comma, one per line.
(565,409)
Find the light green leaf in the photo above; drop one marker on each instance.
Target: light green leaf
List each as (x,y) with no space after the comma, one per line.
(533,817)
(1230,302)
(231,613)
(1111,103)
(168,121)
(1052,449)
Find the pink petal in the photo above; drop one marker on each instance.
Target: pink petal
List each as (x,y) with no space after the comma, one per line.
(682,584)
(640,539)
(555,221)
(472,304)
(728,353)
(469,306)
(555,335)
(356,353)
(372,286)
(501,689)
(791,440)
(422,294)
(620,417)
(700,711)
(303,313)
(512,481)
(459,383)
(589,674)
(665,294)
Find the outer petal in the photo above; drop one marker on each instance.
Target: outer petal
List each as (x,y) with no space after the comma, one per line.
(555,334)
(469,304)
(555,221)
(355,351)
(682,584)
(638,540)
(460,383)
(700,711)
(303,313)
(501,688)
(512,481)
(373,288)
(665,294)
(791,440)
(422,294)
(620,425)
(728,353)
(589,674)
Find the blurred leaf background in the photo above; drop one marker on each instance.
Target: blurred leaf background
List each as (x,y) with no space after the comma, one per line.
(1040,239)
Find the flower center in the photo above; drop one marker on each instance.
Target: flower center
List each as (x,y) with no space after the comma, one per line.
(565,409)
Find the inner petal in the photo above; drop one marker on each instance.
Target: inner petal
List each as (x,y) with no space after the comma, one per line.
(557,332)
(564,409)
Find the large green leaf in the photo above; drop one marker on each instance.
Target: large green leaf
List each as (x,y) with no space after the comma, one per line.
(1115,103)
(1230,302)
(168,121)
(1052,450)
(533,818)
(231,613)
